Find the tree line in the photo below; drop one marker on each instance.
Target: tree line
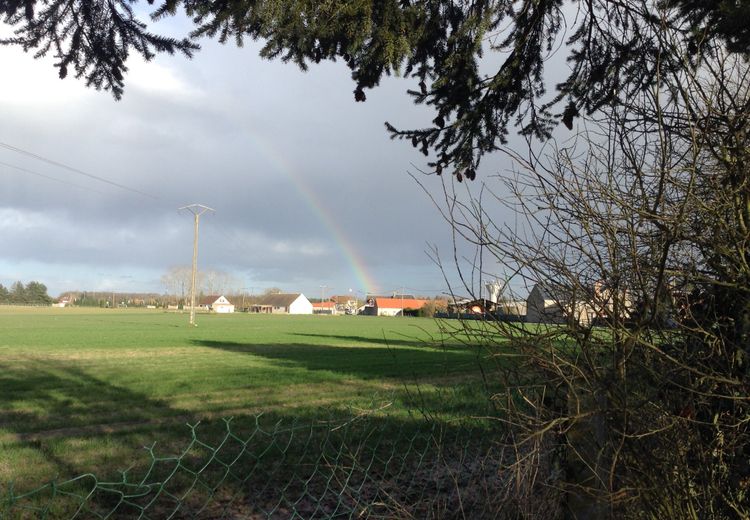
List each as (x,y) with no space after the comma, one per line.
(33,293)
(177,281)
(112,299)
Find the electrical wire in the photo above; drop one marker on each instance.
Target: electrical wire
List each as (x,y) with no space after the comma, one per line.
(75,170)
(231,240)
(48,177)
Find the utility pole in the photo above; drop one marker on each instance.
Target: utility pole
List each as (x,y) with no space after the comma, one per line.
(244,293)
(197,210)
(322,296)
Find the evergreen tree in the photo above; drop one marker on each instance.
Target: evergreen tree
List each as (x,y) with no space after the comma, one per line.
(18,293)
(614,52)
(36,293)
(4,294)
(93,37)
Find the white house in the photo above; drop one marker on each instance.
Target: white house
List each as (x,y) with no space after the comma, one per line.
(218,304)
(294,303)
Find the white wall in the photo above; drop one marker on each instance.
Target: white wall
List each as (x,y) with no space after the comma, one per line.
(222,306)
(301,306)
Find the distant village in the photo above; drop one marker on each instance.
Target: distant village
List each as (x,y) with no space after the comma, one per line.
(544,304)
(271,302)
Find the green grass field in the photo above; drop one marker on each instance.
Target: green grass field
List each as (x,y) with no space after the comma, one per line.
(85,390)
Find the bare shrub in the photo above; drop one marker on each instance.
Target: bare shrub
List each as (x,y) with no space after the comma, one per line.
(637,229)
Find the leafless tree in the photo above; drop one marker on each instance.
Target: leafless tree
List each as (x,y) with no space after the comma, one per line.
(636,401)
(218,282)
(176,281)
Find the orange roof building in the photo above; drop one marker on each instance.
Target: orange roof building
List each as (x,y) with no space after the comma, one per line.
(324,307)
(397,306)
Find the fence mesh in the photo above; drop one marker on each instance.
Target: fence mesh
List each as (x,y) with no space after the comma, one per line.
(359,468)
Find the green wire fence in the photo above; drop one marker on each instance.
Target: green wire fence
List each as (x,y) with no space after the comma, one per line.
(359,468)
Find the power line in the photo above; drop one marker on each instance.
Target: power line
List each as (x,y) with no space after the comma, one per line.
(142,193)
(25,170)
(75,170)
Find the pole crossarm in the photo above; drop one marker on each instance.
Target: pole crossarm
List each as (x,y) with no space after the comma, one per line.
(198,209)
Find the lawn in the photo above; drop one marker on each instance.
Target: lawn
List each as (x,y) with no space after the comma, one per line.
(85,390)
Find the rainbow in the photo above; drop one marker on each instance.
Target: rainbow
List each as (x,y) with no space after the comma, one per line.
(354,260)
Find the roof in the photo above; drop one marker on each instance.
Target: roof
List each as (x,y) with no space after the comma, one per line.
(344,298)
(557,294)
(278,300)
(209,300)
(324,305)
(399,303)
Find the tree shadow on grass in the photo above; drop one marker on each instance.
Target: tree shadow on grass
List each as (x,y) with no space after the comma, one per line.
(294,454)
(422,382)
(431,343)
(67,415)
(58,394)
(386,341)
(374,362)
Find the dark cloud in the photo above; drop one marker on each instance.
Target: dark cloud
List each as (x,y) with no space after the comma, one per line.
(292,165)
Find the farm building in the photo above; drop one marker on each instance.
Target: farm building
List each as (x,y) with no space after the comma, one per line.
(324,308)
(549,305)
(395,306)
(217,304)
(512,308)
(282,303)
(477,306)
(483,307)
(346,303)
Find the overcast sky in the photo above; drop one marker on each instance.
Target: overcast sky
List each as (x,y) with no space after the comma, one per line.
(307,186)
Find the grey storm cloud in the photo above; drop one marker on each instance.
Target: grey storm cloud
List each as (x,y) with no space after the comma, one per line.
(300,175)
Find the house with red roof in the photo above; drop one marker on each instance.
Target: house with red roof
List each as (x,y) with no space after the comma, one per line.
(397,306)
(328,307)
